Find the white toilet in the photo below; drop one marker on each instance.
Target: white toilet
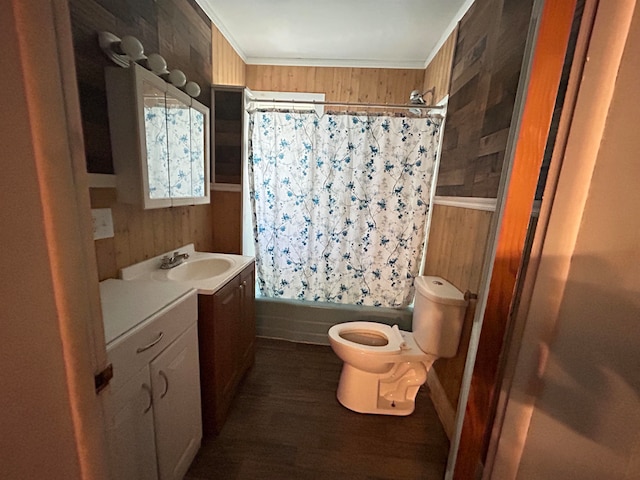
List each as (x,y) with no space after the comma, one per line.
(384,366)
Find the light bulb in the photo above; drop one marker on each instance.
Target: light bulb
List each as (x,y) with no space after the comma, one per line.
(177,78)
(132,47)
(156,63)
(192,89)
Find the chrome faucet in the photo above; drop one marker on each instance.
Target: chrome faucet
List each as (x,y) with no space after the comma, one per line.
(174,260)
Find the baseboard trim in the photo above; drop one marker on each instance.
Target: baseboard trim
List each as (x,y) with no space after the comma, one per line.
(446,412)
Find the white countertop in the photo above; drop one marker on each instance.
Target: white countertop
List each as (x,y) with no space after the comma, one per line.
(126,304)
(149,270)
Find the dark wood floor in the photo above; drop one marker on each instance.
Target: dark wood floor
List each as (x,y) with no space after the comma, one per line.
(286,423)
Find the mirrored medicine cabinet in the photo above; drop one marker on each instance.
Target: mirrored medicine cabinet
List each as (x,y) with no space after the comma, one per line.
(159,140)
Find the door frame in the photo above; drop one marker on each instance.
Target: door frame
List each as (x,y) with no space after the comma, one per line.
(55,340)
(601,40)
(543,62)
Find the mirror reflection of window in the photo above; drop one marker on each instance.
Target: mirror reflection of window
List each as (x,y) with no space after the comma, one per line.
(179,140)
(198,173)
(155,120)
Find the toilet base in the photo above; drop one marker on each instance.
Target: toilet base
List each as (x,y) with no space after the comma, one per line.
(390,393)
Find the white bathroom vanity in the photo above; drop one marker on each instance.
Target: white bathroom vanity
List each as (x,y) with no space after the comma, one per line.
(152,405)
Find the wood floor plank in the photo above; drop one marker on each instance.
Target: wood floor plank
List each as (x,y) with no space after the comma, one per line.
(286,423)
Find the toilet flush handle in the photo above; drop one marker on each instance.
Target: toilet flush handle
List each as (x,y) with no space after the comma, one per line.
(470,296)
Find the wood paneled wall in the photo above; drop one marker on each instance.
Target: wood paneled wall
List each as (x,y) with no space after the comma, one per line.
(486,70)
(457,241)
(437,75)
(479,66)
(228,69)
(339,84)
(177,29)
(456,251)
(227,217)
(228,66)
(181,32)
(142,234)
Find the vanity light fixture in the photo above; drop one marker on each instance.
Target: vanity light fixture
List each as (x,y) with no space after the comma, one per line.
(123,50)
(128,49)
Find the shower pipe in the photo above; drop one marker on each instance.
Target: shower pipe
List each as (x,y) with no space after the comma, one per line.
(347,104)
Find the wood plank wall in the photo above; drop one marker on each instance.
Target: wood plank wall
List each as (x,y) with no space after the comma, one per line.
(339,84)
(228,69)
(142,234)
(228,66)
(489,47)
(457,242)
(181,32)
(437,75)
(177,29)
(486,70)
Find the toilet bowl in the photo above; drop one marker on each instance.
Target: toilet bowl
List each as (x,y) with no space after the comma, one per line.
(384,366)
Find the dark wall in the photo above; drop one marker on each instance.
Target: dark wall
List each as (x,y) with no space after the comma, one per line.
(177,29)
(486,72)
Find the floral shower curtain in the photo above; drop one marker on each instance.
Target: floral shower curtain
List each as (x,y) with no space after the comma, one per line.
(340,204)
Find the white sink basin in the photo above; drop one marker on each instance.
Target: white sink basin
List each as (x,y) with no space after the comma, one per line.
(199,269)
(206,272)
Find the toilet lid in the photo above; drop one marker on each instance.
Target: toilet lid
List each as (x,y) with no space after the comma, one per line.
(367,336)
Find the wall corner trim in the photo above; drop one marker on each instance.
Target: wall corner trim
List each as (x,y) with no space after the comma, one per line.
(474,203)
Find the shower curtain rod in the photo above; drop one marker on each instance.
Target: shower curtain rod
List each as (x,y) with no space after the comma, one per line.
(347,104)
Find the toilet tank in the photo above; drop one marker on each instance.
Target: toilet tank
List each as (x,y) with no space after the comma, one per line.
(438,314)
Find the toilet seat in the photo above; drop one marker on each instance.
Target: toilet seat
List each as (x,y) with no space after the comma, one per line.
(395,341)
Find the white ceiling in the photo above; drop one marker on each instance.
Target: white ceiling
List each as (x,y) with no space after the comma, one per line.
(355,33)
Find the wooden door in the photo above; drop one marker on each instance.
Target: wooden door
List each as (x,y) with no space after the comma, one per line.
(52,333)
(547,57)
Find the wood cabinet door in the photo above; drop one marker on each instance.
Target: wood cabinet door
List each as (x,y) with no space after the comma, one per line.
(227,132)
(226,311)
(176,393)
(226,324)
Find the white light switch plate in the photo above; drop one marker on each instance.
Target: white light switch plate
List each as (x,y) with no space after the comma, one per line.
(102,223)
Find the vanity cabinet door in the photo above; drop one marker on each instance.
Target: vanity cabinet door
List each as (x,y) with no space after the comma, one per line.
(247,321)
(176,410)
(130,430)
(226,311)
(226,333)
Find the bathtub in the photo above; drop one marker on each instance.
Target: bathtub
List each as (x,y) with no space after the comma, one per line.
(309,322)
